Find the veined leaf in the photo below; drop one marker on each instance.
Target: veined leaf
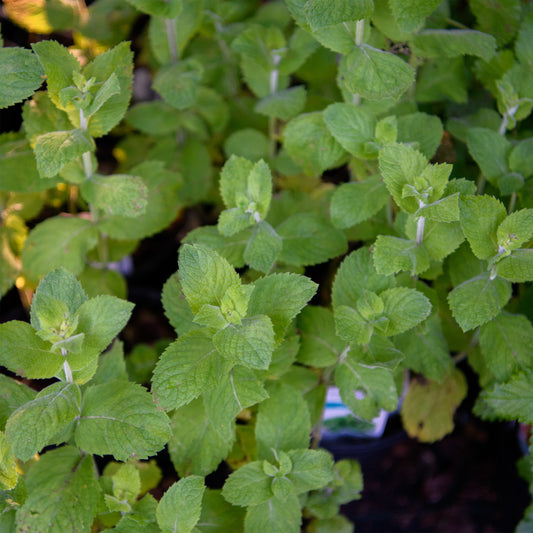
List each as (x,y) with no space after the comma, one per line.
(8,467)
(22,75)
(178,83)
(410,16)
(478,300)
(249,485)
(279,428)
(188,367)
(205,276)
(121,419)
(323,13)
(66,501)
(179,508)
(195,447)
(375,74)
(25,353)
(518,267)
(32,425)
(55,149)
(12,395)
(392,255)
(280,297)
(159,8)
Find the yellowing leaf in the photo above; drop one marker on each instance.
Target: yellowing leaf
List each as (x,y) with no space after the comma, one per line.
(428,408)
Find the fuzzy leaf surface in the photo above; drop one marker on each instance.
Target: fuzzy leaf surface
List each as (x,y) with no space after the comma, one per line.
(188,367)
(32,425)
(22,75)
(478,300)
(179,508)
(121,419)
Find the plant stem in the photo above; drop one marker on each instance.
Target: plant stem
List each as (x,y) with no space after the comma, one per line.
(359,32)
(421,221)
(512,203)
(66,367)
(172,39)
(86,157)
(474,340)
(273,85)
(481,184)
(452,22)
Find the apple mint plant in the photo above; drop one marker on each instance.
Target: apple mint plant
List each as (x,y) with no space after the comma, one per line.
(350,182)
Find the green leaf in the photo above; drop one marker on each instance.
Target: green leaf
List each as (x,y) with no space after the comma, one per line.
(178,83)
(279,428)
(100,319)
(54,150)
(508,401)
(311,469)
(59,66)
(163,201)
(352,203)
(320,346)
(323,13)
(352,126)
(205,276)
(22,75)
(405,308)
(521,158)
(505,344)
(310,144)
(400,165)
(375,74)
(24,353)
(515,230)
(18,170)
(12,395)
(451,43)
(274,516)
(154,118)
(443,210)
(263,247)
(121,419)
(490,150)
(117,61)
(250,343)
(109,88)
(58,241)
(480,218)
(518,267)
(309,239)
(117,195)
(284,104)
(32,426)
(219,516)
(428,408)
(246,186)
(60,286)
(478,300)
(68,500)
(422,130)
(249,143)
(500,18)
(281,297)
(440,238)
(159,8)
(336,524)
(356,275)
(392,255)
(442,79)
(411,16)
(235,391)
(425,349)
(351,326)
(188,367)
(191,430)
(184,27)
(365,378)
(179,508)
(176,308)
(8,468)
(249,485)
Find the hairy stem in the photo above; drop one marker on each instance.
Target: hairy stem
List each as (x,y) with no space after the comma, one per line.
(66,367)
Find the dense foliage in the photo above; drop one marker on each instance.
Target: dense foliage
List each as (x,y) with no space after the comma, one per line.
(388,142)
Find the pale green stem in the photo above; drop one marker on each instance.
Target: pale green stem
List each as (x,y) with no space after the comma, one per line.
(86,157)
(481,184)
(66,367)
(326,380)
(452,22)
(457,358)
(172,39)
(390,212)
(420,223)
(273,85)
(504,124)
(512,203)
(359,32)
